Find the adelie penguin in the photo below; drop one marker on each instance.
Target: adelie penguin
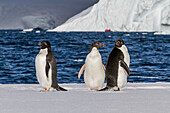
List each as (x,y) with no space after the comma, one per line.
(117,67)
(94,74)
(46,68)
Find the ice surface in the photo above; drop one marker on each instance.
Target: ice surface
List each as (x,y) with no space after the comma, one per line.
(122,15)
(137,98)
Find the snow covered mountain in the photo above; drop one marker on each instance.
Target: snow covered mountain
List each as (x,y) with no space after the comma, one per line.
(122,15)
(46,14)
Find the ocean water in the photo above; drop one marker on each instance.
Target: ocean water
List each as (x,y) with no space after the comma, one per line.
(150,54)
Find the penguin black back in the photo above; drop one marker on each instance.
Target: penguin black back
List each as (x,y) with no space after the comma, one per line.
(115,67)
(113,61)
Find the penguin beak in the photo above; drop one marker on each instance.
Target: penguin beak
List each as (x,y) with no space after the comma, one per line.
(39,44)
(103,45)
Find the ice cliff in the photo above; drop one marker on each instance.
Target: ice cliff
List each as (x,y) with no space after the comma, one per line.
(46,14)
(122,15)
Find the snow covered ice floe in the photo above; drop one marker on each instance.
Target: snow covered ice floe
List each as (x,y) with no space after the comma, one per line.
(122,15)
(27,30)
(137,97)
(78,60)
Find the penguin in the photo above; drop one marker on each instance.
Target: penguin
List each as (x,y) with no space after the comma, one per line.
(117,67)
(94,74)
(46,68)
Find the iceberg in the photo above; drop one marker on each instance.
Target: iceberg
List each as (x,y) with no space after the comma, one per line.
(122,15)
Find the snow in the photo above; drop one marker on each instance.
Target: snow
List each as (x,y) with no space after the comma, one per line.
(160,33)
(122,15)
(137,98)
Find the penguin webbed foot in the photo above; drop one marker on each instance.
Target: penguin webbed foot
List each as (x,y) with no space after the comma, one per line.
(118,89)
(97,89)
(89,89)
(46,90)
(111,89)
(121,90)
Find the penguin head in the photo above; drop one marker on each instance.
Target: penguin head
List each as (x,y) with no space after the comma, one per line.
(119,43)
(97,45)
(44,44)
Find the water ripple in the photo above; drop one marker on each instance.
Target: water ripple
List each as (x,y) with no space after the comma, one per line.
(150,54)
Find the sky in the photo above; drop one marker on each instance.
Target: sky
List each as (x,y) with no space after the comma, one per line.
(26,13)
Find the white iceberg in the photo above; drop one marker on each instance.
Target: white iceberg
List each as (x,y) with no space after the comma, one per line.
(122,15)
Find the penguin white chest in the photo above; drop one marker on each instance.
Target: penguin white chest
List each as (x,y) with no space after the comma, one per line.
(40,65)
(122,74)
(122,77)
(94,74)
(126,54)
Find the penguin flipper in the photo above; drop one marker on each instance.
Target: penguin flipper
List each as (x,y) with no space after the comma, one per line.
(104,67)
(60,89)
(47,68)
(124,65)
(81,71)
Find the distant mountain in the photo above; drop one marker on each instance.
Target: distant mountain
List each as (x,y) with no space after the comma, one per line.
(122,15)
(45,14)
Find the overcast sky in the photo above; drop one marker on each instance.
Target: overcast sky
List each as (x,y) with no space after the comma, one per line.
(12,12)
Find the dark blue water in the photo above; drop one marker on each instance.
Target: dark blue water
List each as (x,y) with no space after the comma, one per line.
(150,54)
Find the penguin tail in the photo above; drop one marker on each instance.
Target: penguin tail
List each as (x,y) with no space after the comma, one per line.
(104,89)
(110,88)
(60,89)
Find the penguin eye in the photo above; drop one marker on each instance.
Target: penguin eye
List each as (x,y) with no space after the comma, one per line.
(45,44)
(119,42)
